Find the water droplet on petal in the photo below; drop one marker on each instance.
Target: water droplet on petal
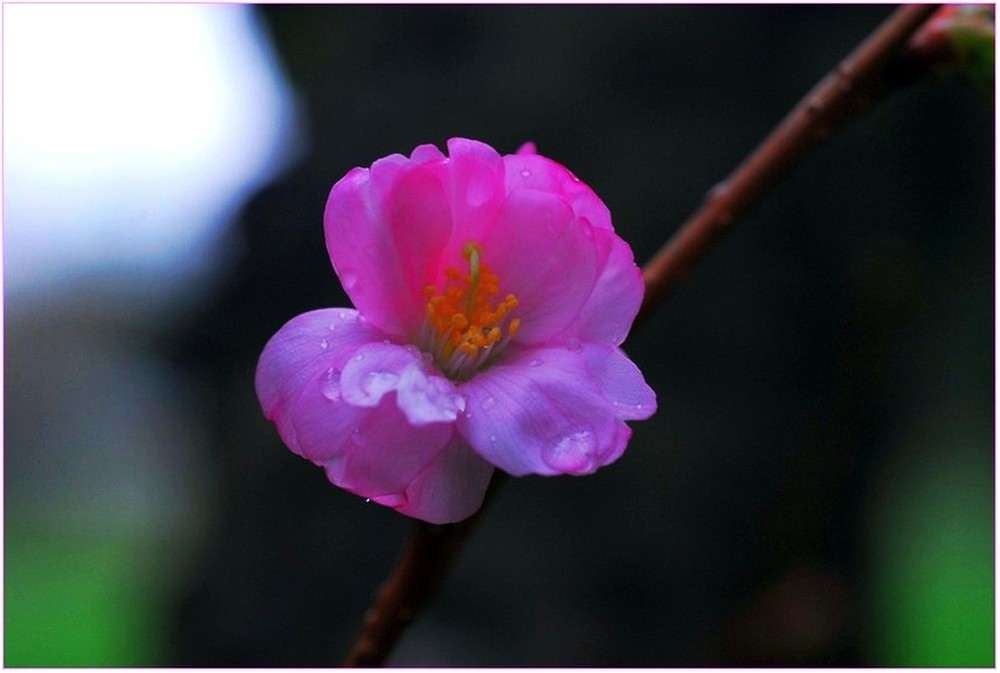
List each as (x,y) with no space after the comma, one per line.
(359,357)
(525,173)
(344,315)
(574,345)
(493,440)
(330,386)
(489,403)
(333,327)
(572,453)
(536,363)
(367,500)
(324,344)
(349,279)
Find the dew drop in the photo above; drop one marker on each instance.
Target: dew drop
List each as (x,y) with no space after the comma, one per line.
(525,173)
(359,357)
(367,500)
(330,387)
(333,327)
(493,440)
(489,403)
(574,345)
(324,344)
(536,363)
(572,453)
(344,315)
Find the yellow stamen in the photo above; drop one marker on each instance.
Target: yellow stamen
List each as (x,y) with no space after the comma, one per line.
(466,320)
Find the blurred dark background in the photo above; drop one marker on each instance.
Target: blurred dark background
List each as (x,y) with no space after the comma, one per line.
(816,488)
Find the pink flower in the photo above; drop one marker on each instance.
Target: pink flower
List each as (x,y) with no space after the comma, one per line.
(492,296)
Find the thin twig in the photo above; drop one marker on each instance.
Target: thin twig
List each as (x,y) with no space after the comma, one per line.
(843,94)
(415,579)
(840,97)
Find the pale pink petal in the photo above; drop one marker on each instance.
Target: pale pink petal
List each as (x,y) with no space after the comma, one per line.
(366,450)
(530,171)
(427,397)
(385,230)
(314,345)
(381,454)
(620,381)
(449,489)
(423,394)
(608,312)
(539,412)
(373,371)
(543,256)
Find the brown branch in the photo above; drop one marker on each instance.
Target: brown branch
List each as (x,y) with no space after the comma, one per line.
(843,94)
(415,579)
(840,97)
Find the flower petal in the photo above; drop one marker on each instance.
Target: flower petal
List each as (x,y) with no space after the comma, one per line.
(545,257)
(530,171)
(620,381)
(449,489)
(381,454)
(423,395)
(385,229)
(539,412)
(370,451)
(314,345)
(474,176)
(607,314)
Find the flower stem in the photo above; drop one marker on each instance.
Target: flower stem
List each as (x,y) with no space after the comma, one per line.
(840,97)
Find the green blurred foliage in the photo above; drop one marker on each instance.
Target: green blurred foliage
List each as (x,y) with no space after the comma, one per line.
(77,601)
(934,559)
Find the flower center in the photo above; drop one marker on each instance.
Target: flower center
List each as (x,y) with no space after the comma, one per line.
(467,324)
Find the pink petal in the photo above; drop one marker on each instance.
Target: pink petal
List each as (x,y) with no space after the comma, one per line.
(311,346)
(620,381)
(473,176)
(423,395)
(530,171)
(608,312)
(449,489)
(543,256)
(539,412)
(371,450)
(381,454)
(385,229)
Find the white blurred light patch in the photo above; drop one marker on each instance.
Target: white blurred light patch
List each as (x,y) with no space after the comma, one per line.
(131,134)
